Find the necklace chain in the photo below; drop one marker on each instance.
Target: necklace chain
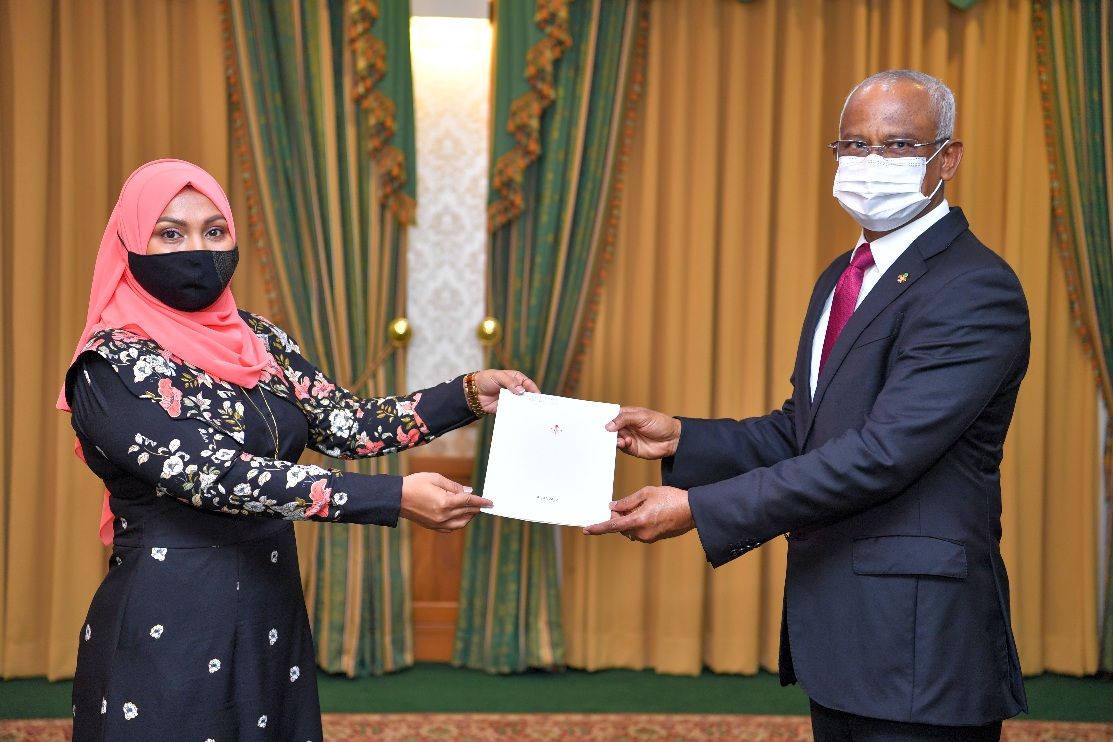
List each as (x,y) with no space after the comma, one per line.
(272,432)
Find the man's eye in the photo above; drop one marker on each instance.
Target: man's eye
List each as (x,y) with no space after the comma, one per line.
(856,145)
(897,145)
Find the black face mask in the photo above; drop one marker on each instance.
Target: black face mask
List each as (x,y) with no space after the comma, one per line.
(187,281)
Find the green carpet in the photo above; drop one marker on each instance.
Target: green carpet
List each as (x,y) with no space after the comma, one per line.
(430,687)
(441,688)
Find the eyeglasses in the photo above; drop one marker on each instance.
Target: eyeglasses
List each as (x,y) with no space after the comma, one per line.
(891,149)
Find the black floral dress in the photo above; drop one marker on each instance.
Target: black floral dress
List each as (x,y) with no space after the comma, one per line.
(199,630)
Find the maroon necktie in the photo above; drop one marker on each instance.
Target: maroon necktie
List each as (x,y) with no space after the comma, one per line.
(846,297)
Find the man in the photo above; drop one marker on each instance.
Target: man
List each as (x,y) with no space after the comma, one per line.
(883,467)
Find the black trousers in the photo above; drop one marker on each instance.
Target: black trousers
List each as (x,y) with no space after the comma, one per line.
(829,725)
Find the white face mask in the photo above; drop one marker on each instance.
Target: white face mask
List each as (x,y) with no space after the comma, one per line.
(883,194)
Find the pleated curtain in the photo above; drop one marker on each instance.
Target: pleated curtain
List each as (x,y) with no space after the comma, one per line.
(567,76)
(89,91)
(322,119)
(1075,58)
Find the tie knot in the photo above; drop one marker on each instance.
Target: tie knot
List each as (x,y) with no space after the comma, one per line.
(863,257)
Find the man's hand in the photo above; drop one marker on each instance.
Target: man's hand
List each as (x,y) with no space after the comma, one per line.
(650,514)
(440,504)
(491,381)
(645,433)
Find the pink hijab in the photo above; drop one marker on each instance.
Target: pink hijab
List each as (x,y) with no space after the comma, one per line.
(215,339)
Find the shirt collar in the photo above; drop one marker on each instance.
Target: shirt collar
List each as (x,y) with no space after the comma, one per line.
(887,249)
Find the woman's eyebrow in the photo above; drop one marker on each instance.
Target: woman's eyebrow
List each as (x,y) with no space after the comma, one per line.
(170,219)
(181,223)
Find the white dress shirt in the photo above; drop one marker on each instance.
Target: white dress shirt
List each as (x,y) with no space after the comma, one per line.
(885,251)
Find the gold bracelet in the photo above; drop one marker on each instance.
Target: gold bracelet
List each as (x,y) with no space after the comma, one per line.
(471,392)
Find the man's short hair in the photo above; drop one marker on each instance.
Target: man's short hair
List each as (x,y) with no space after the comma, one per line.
(942,99)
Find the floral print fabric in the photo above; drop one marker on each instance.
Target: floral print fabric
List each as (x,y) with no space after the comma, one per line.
(204,462)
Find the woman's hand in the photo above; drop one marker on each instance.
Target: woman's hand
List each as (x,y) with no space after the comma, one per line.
(437,503)
(645,433)
(488,383)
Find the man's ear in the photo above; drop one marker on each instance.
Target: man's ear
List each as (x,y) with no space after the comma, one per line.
(951,157)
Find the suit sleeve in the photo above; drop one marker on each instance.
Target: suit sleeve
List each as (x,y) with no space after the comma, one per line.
(966,344)
(713,450)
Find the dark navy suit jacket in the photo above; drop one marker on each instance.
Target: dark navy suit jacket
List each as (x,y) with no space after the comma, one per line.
(888,484)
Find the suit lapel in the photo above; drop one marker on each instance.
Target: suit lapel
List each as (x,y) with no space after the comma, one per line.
(900,277)
(803,372)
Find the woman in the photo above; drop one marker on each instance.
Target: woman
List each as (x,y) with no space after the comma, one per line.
(194,414)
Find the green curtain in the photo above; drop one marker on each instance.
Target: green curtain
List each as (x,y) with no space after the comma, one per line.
(1075,59)
(322,112)
(561,133)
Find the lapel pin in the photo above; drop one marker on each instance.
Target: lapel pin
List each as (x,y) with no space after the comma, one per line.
(902,278)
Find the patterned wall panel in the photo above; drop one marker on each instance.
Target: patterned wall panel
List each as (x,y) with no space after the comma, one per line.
(448,246)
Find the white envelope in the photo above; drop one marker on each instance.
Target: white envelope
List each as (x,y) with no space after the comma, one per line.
(551,459)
